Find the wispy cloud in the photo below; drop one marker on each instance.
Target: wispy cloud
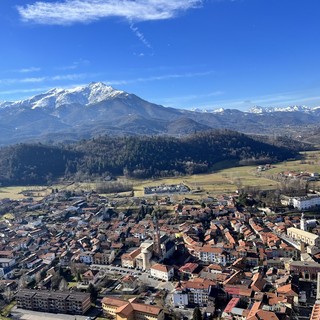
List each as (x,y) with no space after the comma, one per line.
(85,11)
(140,35)
(159,78)
(29,70)
(75,65)
(22,91)
(67,77)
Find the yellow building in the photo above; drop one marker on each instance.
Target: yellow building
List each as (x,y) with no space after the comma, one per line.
(130,310)
(304,236)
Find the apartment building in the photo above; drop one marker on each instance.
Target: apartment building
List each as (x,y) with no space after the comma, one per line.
(54,301)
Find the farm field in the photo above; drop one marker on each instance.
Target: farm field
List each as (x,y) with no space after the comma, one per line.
(16,192)
(224,181)
(228,180)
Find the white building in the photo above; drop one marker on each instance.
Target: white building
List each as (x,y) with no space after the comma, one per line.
(180,297)
(6,265)
(303,203)
(162,272)
(192,292)
(87,257)
(213,255)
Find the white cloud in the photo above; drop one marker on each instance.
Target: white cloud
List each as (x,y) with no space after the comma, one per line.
(68,77)
(14,91)
(84,11)
(29,70)
(140,36)
(75,65)
(30,80)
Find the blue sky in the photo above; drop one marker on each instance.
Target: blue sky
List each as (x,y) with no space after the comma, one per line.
(178,53)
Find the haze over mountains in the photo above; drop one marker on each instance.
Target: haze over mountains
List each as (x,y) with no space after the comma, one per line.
(98,109)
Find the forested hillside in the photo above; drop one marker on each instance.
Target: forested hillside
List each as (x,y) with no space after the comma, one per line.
(134,156)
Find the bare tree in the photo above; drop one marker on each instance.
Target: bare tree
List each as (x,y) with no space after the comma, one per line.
(63,285)
(22,283)
(8,295)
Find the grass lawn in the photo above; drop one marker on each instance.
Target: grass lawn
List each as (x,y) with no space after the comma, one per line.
(15,193)
(8,216)
(6,310)
(311,163)
(222,181)
(72,284)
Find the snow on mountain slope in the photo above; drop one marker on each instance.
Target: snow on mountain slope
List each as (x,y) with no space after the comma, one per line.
(84,95)
(258,109)
(219,110)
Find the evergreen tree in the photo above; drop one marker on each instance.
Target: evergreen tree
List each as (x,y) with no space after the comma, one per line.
(93,292)
(197,315)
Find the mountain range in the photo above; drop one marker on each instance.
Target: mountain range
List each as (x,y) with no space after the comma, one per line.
(98,109)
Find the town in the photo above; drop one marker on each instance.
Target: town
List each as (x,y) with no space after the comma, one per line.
(93,256)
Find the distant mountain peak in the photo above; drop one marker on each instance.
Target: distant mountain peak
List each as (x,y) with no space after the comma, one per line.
(97,109)
(218,110)
(259,110)
(92,93)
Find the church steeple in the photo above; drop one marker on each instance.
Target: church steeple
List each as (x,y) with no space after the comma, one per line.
(303,224)
(156,238)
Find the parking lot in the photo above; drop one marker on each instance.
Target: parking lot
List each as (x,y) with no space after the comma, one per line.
(142,275)
(23,314)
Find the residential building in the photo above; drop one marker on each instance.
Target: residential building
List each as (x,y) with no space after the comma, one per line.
(302,203)
(214,255)
(54,301)
(305,269)
(162,272)
(129,259)
(193,292)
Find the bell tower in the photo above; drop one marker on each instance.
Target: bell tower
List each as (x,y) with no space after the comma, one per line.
(303,224)
(156,238)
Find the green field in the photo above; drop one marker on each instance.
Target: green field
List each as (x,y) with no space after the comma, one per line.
(220,181)
(15,193)
(228,180)
(223,181)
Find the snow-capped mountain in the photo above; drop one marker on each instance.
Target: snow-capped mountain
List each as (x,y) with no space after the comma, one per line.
(98,109)
(94,93)
(218,110)
(258,109)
